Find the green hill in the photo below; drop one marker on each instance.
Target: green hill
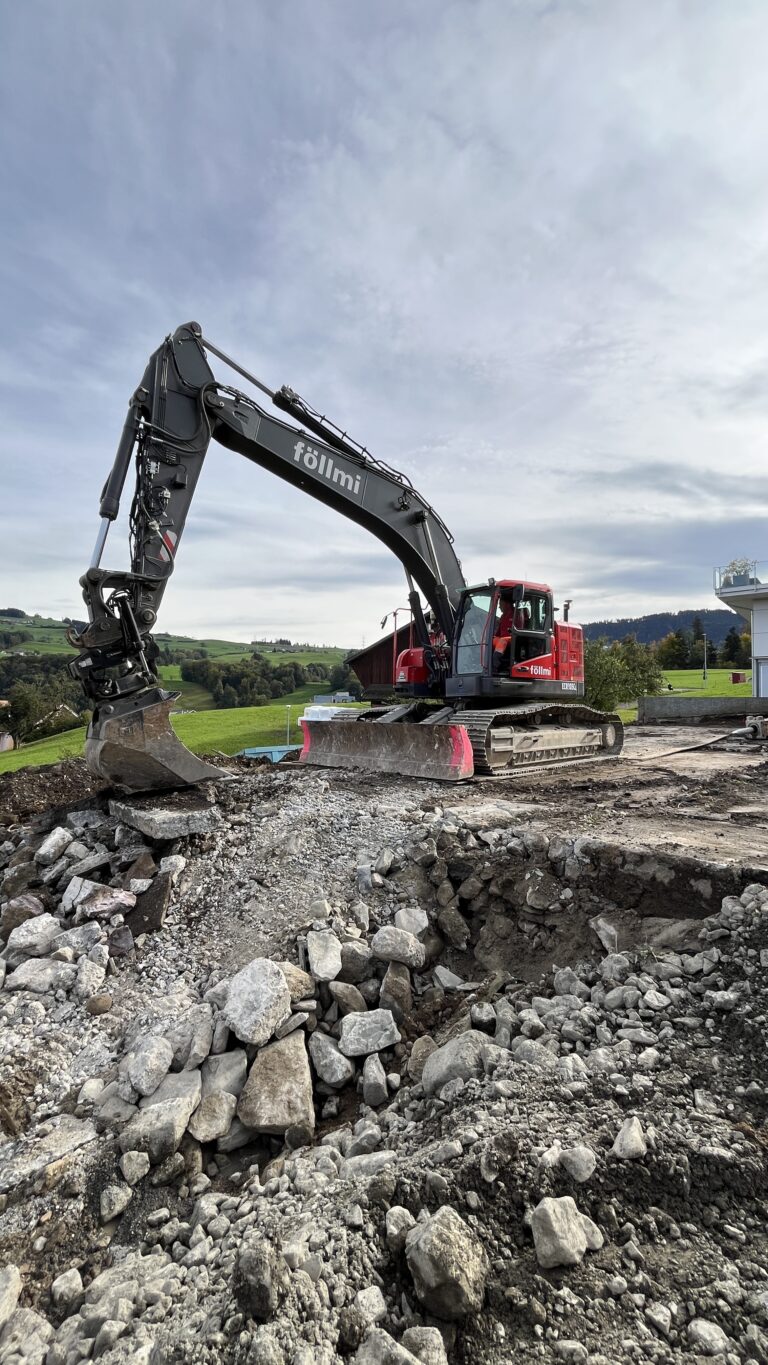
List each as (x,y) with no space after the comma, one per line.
(49,637)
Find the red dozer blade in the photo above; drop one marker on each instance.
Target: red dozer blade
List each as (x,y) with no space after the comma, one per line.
(439,752)
(137,749)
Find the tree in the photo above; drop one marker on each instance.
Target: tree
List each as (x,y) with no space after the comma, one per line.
(619,672)
(732,648)
(674,650)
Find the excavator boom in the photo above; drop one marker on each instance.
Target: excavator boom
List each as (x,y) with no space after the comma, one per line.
(175,412)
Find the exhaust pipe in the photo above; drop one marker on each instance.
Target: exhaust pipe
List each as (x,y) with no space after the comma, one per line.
(131,745)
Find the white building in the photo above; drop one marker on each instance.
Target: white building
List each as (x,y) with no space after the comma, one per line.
(743,585)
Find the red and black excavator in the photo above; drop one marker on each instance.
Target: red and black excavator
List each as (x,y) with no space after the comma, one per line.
(493,681)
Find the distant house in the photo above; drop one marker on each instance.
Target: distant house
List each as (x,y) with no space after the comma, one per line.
(6,740)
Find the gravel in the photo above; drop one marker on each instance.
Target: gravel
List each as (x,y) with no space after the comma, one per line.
(511,1142)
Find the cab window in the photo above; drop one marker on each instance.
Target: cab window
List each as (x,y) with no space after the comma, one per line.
(470,654)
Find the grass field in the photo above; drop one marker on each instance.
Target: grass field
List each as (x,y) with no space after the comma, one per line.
(227,731)
(690,682)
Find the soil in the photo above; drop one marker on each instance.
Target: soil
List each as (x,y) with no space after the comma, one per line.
(32,790)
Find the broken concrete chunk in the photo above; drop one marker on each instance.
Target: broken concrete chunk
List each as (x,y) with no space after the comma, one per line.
(165,823)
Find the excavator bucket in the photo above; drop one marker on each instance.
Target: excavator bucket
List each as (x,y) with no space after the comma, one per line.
(136,748)
(440,752)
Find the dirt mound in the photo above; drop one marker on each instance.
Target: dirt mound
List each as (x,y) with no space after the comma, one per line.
(32,790)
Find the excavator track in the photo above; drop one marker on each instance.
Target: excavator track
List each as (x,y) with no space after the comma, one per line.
(540,735)
(455,745)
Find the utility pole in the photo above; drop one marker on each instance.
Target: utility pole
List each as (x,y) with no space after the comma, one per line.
(704,638)
(288,725)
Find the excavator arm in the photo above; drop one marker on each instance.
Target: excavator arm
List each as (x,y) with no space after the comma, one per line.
(174,414)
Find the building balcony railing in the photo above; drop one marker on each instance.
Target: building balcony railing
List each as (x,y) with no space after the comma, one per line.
(741,575)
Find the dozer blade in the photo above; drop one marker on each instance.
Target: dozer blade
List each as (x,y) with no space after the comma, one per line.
(441,752)
(133,746)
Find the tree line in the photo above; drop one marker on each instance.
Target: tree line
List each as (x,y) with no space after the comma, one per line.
(255,681)
(685,648)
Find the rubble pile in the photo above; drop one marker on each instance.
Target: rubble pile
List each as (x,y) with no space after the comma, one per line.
(314,1070)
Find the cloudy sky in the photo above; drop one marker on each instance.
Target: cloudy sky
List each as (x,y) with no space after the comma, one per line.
(517,247)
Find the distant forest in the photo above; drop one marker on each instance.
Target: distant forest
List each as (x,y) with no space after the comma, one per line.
(648,630)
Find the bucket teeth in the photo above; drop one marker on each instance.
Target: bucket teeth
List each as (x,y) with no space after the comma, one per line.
(136,749)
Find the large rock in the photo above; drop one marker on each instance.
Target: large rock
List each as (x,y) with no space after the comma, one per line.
(149,1064)
(190,1037)
(630,1144)
(370,1032)
(101,902)
(299,983)
(18,911)
(396,994)
(53,846)
(355,962)
(225,1072)
(257,1000)
(260,1280)
(213,1117)
(42,976)
(330,1064)
(533,1053)
(159,1126)
(33,938)
(324,953)
(448,1264)
(397,945)
(10,1289)
(278,1092)
(374,1081)
(561,1234)
(30,1157)
(148,914)
(379,1348)
(165,823)
(462,1057)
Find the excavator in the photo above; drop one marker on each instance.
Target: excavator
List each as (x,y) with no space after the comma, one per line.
(492,684)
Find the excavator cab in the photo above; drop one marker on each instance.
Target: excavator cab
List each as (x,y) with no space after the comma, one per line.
(507,640)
